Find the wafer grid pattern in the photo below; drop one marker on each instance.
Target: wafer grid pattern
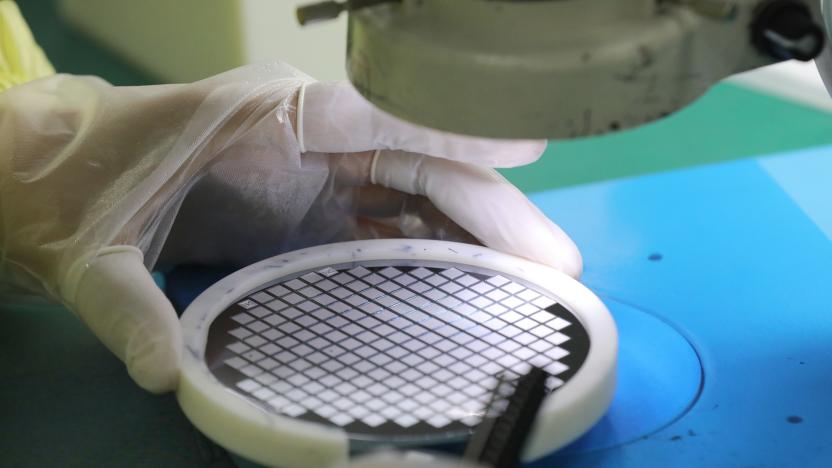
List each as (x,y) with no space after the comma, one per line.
(388,349)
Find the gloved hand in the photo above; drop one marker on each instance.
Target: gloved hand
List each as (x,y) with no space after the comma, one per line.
(98,182)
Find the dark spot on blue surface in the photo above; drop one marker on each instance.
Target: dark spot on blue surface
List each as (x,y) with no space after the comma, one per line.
(676,438)
(801,363)
(655,257)
(691,433)
(794,420)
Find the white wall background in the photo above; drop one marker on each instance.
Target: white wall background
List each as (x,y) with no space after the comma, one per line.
(795,81)
(273,32)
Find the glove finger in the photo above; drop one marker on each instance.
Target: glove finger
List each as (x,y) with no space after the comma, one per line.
(483,203)
(335,118)
(119,301)
(406,215)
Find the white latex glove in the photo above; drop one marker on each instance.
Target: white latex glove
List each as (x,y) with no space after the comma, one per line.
(94,178)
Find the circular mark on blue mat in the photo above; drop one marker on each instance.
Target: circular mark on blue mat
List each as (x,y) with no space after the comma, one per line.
(659,378)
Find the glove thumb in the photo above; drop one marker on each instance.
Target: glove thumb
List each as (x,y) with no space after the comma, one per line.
(118,300)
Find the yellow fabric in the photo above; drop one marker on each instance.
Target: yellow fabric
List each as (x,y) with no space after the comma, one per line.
(21,59)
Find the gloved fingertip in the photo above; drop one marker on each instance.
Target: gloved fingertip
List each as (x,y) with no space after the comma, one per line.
(153,353)
(569,261)
(120,302)
(155,365)
(509,153)
(537,148)
(553,249)
(545,242)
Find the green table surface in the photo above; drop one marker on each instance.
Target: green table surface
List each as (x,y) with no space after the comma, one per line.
(64,400)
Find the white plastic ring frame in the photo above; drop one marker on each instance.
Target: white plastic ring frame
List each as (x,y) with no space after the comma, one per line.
(234,422)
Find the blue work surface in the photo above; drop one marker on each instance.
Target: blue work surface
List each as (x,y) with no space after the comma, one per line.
(719,279)
(737,257)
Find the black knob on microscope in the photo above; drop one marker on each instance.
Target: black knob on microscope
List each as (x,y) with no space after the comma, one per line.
(784,29)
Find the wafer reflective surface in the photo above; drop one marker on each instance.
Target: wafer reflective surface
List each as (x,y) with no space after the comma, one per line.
(391,351)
